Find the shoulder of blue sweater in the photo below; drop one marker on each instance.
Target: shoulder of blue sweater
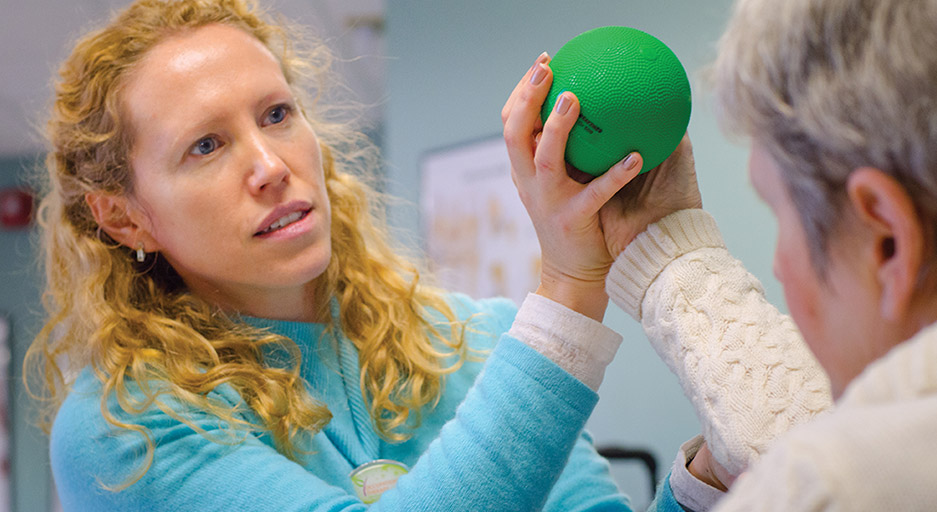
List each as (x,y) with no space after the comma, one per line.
(81,412)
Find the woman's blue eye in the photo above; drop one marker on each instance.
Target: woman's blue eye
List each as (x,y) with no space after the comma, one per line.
(205,146)
(278,114)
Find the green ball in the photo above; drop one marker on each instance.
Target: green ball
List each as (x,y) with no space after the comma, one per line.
(633,93)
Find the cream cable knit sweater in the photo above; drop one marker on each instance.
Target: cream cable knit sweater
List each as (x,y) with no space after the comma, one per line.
(751,379)
(742,364)
(877,450)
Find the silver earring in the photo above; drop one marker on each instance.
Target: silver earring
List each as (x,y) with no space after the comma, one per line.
(141,256)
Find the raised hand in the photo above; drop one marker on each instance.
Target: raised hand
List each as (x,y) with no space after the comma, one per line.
(565,212)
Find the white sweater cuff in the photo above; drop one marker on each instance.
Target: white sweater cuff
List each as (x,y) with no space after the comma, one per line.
(689,491)
(646,256)
(578,344)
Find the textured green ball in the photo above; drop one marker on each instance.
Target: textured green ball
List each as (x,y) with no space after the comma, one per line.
(633,93)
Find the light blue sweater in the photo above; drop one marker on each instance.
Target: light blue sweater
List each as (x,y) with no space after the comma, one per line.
(507,438)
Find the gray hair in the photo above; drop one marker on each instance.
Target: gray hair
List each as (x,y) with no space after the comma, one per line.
(827,86)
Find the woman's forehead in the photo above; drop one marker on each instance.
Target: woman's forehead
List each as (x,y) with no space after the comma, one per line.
(195,77)
(190,50)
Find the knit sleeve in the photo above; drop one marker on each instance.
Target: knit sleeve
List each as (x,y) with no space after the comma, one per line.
(586,483)
(506,447)
(664,500)
(582,347)
(741,363)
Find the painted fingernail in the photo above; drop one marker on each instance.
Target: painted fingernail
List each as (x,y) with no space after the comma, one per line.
(631,162)
(543,57)
(540,72)
(562,104)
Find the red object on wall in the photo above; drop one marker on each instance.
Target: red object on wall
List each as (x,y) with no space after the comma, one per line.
(16,208)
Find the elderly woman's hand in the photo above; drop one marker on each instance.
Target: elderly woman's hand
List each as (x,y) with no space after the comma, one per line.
(669,187)
(565,212)
(707,470)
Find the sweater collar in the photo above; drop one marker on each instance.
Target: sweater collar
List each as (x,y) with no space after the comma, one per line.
(307,335)
(287,328)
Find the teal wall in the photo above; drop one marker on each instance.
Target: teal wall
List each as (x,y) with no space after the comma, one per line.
(451,66)
(19,299)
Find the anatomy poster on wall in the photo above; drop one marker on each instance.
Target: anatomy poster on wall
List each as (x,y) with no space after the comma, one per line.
(477,234)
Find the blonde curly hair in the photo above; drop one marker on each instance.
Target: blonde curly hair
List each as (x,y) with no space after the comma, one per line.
(138,322)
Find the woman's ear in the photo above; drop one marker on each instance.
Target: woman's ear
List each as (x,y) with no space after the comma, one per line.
(121,220)
(887,214)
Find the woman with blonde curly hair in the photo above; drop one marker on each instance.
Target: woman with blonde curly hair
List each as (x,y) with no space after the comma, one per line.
(229,327)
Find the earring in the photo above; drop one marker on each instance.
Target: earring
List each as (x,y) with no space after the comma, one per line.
(141,256)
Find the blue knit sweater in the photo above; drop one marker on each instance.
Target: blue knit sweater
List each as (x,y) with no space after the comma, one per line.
(506,438)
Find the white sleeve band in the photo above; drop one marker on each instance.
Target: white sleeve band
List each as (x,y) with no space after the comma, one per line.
(578,344)
(651,251)
(689,491)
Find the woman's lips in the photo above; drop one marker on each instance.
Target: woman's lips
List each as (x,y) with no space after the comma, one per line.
(282,216)
(284,221)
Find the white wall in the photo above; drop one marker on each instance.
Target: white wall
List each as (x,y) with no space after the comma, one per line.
(451,66)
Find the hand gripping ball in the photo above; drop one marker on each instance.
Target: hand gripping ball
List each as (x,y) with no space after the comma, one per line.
(633,95)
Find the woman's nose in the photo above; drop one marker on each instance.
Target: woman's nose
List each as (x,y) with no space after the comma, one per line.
(266,169)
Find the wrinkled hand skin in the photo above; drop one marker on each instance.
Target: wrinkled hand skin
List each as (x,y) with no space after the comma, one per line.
(669,187)
(705,468)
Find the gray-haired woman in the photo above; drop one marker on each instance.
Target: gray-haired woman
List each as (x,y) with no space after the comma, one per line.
(839,99)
